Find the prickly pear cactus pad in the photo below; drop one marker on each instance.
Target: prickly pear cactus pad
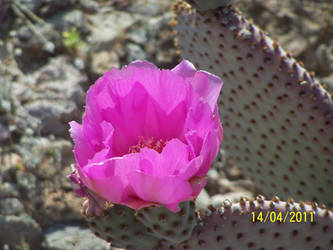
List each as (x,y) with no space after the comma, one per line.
(172,228)
(265,225)
(120,227)
(278,120)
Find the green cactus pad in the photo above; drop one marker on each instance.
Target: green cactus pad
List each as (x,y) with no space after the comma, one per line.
(172,228)
(277,119)
(244,225)
(208,5)
(121,229)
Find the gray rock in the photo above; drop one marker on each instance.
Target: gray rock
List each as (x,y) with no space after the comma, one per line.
(138,35)
(4,132)
(108,25)
(135,52)
(29,42)
(51,7)
(9,164)
(103,61)
(79,63)
(203,200)
(149,7)
(60,79)
(11,206)
(324,59)
(161,41)
(247,185)
(65,148)
(156,24)
(65,20)
(27,121)
(54,98)
(15,228)
(225,185)
(328,81)
(37,151)
(8,190)
(54,115)
(89,6)
(32,5)
(27,184)
(232,172)
(213,174)
(72,237)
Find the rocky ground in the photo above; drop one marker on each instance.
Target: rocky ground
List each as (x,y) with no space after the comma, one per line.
(51,51)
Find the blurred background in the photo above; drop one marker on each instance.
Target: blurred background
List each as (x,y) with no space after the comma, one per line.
(52,51)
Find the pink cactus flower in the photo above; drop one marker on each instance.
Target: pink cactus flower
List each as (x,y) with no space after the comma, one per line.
(148,136)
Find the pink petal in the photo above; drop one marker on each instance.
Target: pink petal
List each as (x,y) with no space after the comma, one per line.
(127,117)
(161,85)
(150,162)
(98,98)
(194,142)
(138,204)
(208,86)
(191,168)
(83,150)
(175,157)
(200,119)
(143,64)
(185,69)
(109,178)
(138,115)
(90,138)
(173,160)
(173,207)
(209,152)
(106,130)
(100,156)
(165,126)
(167,190)
(99,180)
(133,201)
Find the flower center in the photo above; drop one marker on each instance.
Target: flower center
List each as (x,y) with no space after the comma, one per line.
(157,145)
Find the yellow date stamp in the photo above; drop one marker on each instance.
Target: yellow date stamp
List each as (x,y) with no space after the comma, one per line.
(279,217)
